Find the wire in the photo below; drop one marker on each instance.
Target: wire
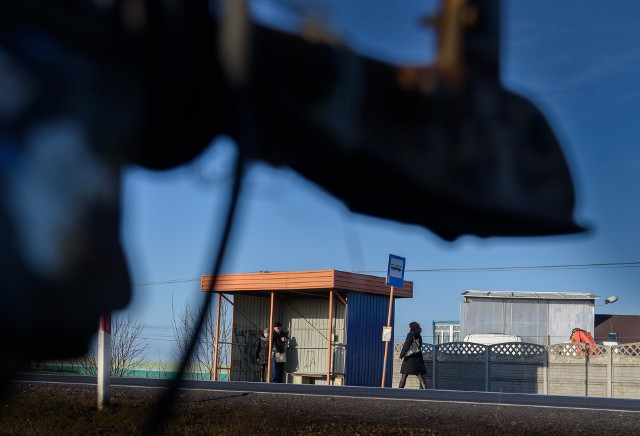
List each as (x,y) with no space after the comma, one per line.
(520,268)
(243,125)
(446,270)
(163,409)
(167,282)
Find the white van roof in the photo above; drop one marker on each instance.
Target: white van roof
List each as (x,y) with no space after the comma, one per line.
(491,338)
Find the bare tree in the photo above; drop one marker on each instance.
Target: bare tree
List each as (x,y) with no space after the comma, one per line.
(204,352)
(128,348)
(162,367)
(182,332)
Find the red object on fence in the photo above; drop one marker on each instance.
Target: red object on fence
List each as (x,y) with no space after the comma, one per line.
(588,344)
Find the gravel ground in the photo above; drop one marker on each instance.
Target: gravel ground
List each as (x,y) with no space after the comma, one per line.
(41,408)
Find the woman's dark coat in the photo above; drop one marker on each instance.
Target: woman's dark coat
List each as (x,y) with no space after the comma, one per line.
(262,353)
(412,364)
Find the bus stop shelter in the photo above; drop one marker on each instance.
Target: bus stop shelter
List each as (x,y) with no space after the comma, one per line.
(333,318)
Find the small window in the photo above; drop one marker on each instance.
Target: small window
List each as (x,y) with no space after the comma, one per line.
(613,337)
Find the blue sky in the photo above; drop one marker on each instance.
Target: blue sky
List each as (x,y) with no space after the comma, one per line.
(578,60)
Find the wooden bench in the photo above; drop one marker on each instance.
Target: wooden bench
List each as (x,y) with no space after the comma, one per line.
(310,378)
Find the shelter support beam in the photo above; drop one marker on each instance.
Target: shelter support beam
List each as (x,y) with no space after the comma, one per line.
(216,345)
(329,337)
(269,369)
(342,300)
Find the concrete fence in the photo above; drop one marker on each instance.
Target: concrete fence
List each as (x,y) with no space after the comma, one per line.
(574,369)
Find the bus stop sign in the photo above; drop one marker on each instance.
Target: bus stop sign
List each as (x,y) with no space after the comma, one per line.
(395,271)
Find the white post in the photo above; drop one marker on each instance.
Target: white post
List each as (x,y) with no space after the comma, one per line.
(104,361)
(545,372)
(609,371)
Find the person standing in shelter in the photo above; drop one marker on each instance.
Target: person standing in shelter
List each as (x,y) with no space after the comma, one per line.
(262,354)
(412,363)
(279,353)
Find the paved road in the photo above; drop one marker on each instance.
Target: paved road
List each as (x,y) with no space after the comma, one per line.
(503,399)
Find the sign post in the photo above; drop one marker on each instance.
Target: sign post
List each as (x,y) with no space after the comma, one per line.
(395,278)
(104,361)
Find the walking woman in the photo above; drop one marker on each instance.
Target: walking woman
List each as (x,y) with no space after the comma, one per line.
(412,363)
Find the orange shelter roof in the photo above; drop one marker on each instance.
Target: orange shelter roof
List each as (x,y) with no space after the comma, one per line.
(308,282)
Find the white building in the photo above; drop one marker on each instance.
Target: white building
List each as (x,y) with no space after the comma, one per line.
(538,317)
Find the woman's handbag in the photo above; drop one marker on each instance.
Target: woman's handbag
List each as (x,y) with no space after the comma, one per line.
(413,349)
(282,357)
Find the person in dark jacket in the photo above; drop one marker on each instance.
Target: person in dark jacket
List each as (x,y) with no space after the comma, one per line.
(262,354)
(279,348)
(413,364)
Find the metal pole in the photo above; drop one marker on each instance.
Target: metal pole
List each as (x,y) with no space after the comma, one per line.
(216,346)
(434,367)
(330,333)
(104,361)
(386,344)
(487,369)
(270,338)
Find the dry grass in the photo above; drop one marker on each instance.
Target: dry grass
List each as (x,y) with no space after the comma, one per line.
(51,409)
(57,409)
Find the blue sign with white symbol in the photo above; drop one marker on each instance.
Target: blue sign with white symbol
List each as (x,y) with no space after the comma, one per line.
(395,271)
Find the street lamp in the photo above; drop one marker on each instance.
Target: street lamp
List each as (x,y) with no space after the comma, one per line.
(609,300)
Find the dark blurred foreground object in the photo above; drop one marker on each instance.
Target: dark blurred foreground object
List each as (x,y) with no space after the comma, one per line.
(89,86)
(446,147)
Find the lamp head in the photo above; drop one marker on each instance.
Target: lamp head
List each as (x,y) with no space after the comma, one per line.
(611,299)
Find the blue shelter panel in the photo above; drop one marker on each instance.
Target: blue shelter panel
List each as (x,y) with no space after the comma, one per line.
(366,315)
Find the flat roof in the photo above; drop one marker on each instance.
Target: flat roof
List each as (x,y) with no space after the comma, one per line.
(311,283)
(531,295)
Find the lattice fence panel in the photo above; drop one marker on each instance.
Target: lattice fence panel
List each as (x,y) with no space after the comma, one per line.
(427,349)
(461,349)
(518,349)
(578,349)
(630,350)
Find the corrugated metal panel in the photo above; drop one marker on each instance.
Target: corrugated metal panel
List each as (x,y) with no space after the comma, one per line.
(481,316)
(528,319)
(252,313)
(322,280)
(563,318)
(307,321)
(277,281)
(250,317)
(366,316)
